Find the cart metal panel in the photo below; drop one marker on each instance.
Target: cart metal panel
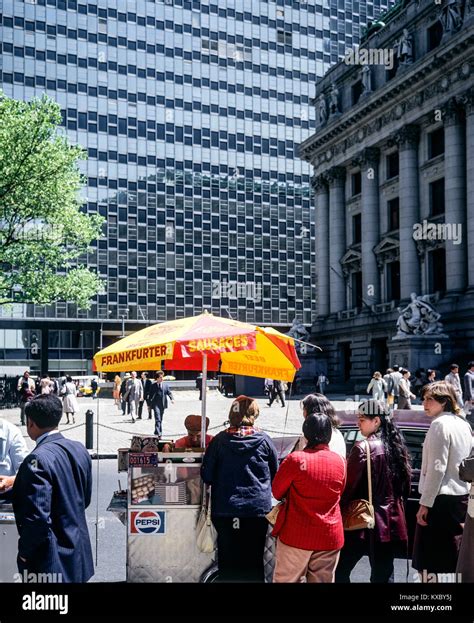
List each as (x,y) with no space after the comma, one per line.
(8,544)
(170,557)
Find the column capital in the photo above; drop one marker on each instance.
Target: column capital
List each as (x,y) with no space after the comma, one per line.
(467,100)
(319,182)
(336,175)
(408,136)
(452,112)
(369,156)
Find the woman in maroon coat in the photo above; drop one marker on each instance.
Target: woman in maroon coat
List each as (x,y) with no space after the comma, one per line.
(390,487)
(309,528)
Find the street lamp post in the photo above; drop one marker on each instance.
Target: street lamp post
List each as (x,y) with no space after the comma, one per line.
(123,325)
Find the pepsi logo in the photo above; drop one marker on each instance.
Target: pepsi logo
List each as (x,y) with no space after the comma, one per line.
(147,522)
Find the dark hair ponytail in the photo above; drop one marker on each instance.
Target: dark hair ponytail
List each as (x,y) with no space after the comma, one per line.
(396,451)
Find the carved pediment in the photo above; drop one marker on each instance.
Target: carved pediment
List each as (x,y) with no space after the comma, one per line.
(387,244)
(387,250)
(351,261)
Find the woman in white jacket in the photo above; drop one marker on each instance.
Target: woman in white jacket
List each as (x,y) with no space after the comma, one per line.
(69,393)
(377,386)
(444,496)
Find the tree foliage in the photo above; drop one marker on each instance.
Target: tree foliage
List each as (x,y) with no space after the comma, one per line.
(43,232)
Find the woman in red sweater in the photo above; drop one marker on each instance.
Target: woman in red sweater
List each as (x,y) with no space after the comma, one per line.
(309,526)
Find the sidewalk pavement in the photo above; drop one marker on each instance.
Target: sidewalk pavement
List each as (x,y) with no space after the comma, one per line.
(112,430)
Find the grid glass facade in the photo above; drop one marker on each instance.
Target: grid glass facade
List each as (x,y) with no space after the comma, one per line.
(190,113)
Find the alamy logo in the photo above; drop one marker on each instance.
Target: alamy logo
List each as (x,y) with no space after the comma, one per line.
(372,56)
(36,601)
(248,290)
(438,231)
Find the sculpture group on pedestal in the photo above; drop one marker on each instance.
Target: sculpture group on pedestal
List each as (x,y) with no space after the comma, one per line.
(419,318)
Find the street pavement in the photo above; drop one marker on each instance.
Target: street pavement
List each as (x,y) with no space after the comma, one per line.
(113,431)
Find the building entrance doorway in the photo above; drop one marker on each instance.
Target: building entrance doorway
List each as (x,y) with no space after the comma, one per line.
(379,355)
(345,352)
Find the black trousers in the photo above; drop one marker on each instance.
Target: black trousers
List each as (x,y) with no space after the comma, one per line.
(436,546)
(278,393)
(381,556)
(240,548)
(140,408)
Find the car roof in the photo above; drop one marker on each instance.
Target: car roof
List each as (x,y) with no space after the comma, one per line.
(404,418)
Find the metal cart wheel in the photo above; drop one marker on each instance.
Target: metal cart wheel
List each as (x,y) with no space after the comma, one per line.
(210,575)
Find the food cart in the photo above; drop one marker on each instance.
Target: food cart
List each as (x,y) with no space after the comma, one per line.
(161,506)
(160,510)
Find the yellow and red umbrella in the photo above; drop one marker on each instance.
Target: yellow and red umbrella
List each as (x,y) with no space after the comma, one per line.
(202,343)
(241,348)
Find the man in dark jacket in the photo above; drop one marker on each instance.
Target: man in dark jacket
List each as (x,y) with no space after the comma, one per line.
(146,384)
(123,394)
(51,492)
(158,397)
(240,464)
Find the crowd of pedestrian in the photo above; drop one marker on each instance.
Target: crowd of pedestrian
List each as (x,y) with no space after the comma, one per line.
(317,535)
(398,387)
(332,511)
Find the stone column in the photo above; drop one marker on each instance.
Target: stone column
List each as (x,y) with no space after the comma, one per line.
(455,194)
(468,235)
(370,224)
(322,243)
(407,140)
(337,238)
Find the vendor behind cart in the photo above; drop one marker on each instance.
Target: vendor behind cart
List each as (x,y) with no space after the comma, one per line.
(13,450)
(193,439)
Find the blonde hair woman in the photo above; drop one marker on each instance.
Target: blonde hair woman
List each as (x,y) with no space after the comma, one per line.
(116,391)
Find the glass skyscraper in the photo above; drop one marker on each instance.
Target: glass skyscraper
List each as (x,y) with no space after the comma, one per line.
(191,113)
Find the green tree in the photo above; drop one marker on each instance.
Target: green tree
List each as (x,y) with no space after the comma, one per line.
(43,232)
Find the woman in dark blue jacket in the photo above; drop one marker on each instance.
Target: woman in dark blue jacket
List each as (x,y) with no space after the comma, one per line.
(240,464)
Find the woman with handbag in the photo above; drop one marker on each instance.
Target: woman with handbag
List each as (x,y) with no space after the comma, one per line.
(240,464)
(378,482)
(444,496)
(309,526)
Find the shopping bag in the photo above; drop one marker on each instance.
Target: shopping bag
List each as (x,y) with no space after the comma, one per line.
(206,534)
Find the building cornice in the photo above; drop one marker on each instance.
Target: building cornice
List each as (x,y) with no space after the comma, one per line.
(380,108)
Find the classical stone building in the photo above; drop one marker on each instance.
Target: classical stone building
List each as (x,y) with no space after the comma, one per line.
(393,156)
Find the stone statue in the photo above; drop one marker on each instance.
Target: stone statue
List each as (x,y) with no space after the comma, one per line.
(451,17)
(323,111)
(298,331)
(418,318)
(404,48)
(366,79)
(334,99)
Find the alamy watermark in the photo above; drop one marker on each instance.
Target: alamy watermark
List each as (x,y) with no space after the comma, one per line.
(372,56)
(248,290)
(438,231)
(28,577)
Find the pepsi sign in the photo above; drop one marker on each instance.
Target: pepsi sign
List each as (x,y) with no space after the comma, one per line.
(147,522)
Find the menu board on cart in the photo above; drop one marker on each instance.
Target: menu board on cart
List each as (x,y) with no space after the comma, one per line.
(142,459)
